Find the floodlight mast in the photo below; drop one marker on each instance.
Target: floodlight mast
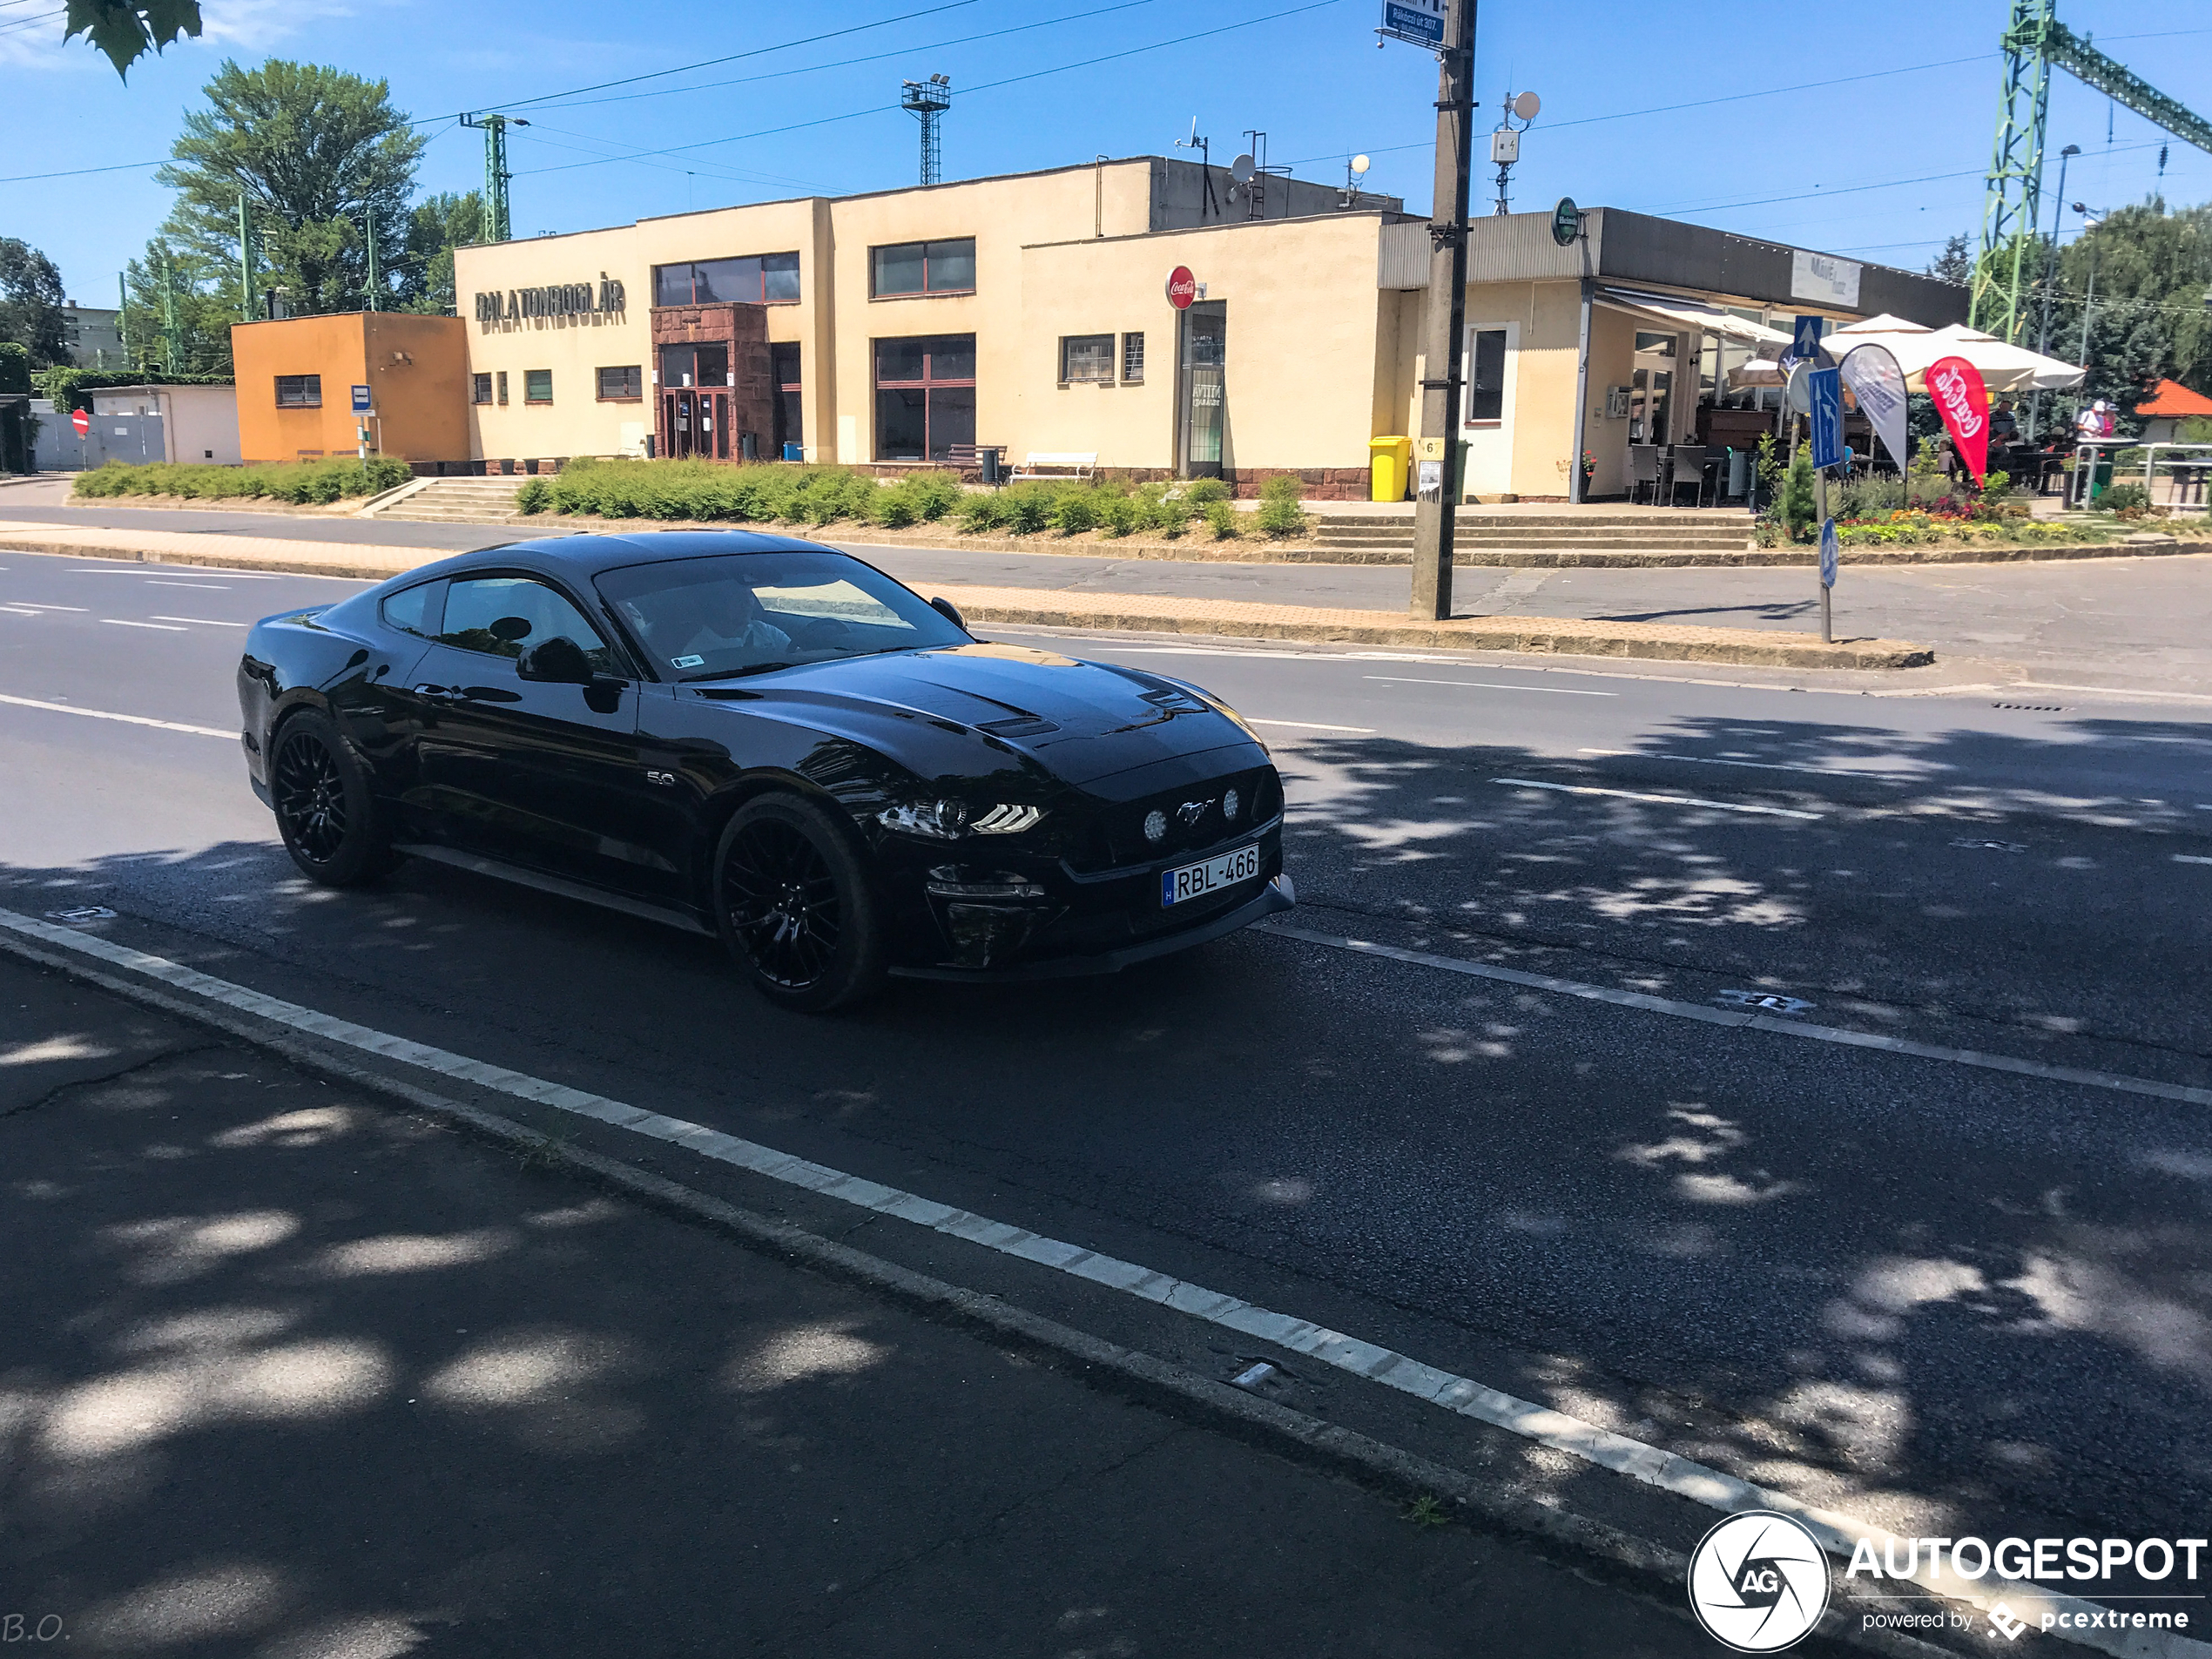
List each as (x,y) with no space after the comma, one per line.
(926,101)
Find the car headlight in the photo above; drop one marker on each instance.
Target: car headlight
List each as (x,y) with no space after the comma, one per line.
(948,820)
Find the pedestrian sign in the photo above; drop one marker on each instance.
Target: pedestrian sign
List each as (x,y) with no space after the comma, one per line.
(1828,553)
(1805,338)
(360,401)
(1826,386)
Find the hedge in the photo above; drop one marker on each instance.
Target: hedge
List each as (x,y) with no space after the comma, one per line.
(300,481)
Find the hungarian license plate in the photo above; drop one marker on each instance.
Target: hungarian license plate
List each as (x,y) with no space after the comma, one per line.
(1197,881)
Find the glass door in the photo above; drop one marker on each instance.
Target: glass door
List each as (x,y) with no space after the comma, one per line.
(1205,388)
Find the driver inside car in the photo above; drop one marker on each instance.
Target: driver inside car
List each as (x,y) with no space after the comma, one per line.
(719,621)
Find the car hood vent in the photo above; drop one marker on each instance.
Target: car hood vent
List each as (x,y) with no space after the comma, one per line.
(1022,725)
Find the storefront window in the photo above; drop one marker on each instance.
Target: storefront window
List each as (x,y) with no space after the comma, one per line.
(756,279)
(1087,357)
(923,267)
(925,396)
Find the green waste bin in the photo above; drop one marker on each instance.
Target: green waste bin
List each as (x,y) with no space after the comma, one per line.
(1386,461)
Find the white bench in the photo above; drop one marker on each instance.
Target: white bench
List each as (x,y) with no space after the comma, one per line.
(1079,465)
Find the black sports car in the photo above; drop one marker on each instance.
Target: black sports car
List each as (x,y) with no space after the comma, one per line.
(765,740)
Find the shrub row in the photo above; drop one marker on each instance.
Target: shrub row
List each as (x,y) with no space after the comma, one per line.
(781,493)
(301,482)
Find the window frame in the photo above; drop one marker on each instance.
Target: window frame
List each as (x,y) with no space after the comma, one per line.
(1102,346)
(633,374)
(530,395)
(1133,351)
(926,291)
(434,609)
(1475,336)
(612,639)
(480,389)
(760,262)
(500,377)
(930,382)
(308,387)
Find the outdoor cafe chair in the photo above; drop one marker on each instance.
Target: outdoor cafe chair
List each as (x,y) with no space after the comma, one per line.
(1689,468)
(1643,469)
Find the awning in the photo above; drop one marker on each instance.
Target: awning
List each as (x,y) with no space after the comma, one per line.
(1675,315)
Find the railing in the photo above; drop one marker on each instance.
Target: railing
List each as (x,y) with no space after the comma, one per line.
(2182,480)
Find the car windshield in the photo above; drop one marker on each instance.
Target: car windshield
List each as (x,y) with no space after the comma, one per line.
(740,613)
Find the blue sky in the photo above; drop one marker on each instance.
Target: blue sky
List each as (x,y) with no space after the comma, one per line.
(1643,104)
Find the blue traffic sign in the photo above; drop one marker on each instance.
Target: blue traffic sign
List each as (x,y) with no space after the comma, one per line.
(360,400)
(1805,338)
(1418,23)
(1828,553)
(1826,386)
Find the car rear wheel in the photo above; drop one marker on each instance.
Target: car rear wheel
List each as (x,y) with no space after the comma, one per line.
(325,809)
(796,906)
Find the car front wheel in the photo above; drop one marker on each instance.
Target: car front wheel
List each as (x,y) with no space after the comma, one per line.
(796,906)
(325,808)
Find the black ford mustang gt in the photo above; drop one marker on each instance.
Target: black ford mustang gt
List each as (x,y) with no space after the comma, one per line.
(767,741)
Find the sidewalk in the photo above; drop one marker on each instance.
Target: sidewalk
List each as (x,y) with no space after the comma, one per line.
(1057,607)
(289,1374)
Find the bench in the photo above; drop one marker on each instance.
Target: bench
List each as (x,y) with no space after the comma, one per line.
(1080,466)
(971,455)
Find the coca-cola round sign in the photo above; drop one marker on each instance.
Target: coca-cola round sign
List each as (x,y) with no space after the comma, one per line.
(1182,288)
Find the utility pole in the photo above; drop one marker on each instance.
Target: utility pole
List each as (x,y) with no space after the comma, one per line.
(244,261)
(173,336)
(123,315)
(498,226)
(2050,280)
(370,219)
(1434,510)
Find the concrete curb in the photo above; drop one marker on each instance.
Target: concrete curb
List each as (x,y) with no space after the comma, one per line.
(1498,1504)
(357,563)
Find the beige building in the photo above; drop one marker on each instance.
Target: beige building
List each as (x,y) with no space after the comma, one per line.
(1038,313)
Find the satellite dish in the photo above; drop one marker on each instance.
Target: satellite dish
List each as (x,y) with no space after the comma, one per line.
(1242,169)
(1525,104)
(1360,163)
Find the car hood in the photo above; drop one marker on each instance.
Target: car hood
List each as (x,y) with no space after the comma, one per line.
(1083,720)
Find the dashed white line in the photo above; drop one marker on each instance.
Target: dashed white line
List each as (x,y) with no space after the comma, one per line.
(124,622)
(32,604)
(156,582)
(1757,766)
(205,622)
(1486,685)
(128,719)
(1312,726)
(1665,801)
(2189,858)
(18,611)
(1838,1532)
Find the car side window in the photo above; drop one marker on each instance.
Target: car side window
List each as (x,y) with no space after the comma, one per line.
(503,616)
(413,610)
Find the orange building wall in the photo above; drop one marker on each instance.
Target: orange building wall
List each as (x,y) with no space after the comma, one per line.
(416,370)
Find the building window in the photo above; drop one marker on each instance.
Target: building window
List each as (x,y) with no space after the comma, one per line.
(1486,376)
(537,386)
(502,386)
(298,391)
(923,267)
(756,279)
(925,396)
(1132,360)
(480,389)
(620,385)
(783,367)
(1087,357)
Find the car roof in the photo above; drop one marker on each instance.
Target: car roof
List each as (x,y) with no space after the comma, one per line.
(579,557)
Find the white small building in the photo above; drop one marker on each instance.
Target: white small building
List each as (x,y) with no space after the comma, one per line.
(169,423)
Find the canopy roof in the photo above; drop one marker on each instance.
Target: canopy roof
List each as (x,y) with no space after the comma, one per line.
(1676,315)
(2173,401)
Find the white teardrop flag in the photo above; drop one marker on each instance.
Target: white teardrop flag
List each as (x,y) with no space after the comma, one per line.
(1875,380)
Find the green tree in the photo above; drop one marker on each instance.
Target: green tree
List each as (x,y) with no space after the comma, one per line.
(203,297)
(423,278)
(30,302)
(125,32)
(1954,264)
(320,156)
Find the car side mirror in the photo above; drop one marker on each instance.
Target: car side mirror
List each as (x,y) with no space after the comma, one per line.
(557,661)
(949,611)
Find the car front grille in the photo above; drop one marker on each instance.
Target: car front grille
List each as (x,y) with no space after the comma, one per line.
(1195,820)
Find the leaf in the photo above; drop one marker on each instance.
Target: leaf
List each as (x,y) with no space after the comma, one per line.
(124,32)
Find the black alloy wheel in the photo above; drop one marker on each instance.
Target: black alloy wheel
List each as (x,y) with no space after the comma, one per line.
(796,905)
(324,807)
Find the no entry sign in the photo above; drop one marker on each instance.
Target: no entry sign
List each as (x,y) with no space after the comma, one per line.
(1182,288)
(82,421)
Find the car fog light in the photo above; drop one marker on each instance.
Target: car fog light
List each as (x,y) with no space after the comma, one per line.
(1156,827)
(1229,803)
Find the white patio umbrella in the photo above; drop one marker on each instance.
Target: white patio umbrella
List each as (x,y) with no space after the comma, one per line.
(2006,367)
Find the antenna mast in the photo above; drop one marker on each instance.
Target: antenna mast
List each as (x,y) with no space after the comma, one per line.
(1203,146)
(926,101)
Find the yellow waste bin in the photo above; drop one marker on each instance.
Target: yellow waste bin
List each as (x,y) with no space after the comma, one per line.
(1387,461)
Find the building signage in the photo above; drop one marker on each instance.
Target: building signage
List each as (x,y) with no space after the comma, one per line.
(1567,221)
(1418,23)
(1182,288)
(1823,280)
(562,299)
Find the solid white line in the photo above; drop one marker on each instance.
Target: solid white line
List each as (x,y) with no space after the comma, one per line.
(1670,800)
(32,604)
(1838,1532)
(1313,725)
(161,627)
(205,622)
(127,570)
(2189,858)
(1758,765)
(1484,685)
(128,719)
(156,582)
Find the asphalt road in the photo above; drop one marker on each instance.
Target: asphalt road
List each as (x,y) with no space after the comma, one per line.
(1928,1288)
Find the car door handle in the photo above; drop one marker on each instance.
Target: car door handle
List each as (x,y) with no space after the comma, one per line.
(434,693)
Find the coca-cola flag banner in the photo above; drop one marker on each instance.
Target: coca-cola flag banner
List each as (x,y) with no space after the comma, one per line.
(1875,380)
(1963,401)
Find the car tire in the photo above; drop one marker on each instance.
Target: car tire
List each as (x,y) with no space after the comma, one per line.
(796,904)
(325,808)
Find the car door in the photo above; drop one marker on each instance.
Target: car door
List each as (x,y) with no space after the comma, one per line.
(546,776)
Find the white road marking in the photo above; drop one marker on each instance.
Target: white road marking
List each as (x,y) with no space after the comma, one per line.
(32,604)
(163,627)
(1758,765)
(1313,725)
(2189,858)
(128,719)
(18,611)
(156,582)
(1484,685)
(1838,1532)
(138,569)
(205,622)
(1667,801)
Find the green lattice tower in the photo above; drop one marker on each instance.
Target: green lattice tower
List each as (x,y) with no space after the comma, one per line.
(498,228)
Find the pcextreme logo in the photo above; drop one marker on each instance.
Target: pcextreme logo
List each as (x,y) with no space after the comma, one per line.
(1758,1581)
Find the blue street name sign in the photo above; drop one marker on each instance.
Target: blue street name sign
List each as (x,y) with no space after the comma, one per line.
(360,400)
(1828,553)
(1806,341)
(1826,386)
(1418,23)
